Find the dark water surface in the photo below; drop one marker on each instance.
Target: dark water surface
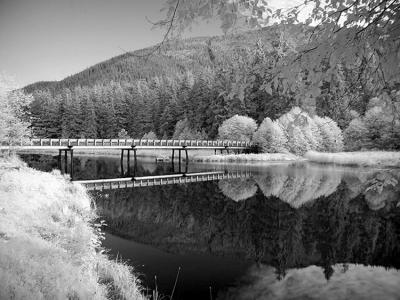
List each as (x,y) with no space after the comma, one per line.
(289,231)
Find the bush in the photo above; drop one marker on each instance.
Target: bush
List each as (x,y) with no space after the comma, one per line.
(239,128)
(270,137)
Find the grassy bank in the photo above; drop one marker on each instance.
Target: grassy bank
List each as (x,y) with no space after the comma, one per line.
(50,243)
(248,157)
(370,158)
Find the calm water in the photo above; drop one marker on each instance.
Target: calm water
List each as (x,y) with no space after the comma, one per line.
(290,231)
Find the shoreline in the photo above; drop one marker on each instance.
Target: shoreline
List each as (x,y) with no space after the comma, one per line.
(380,159)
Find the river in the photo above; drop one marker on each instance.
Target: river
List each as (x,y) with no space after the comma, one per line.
(282,231)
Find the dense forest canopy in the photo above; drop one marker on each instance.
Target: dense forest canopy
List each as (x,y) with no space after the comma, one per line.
(341,61)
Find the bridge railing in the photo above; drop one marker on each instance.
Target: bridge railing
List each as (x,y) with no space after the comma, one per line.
(121,183)
(137,142)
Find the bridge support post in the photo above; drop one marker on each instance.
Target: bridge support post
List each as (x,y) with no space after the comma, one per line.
(187,156)
(122,162)
(72,164)
(179,161)
(129,162)
(135,162)
(59,160)
(173,155)
(65,161)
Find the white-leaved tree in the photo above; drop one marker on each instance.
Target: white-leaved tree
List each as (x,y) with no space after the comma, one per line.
(332,137)
(270,137)
(14,123)
(238,128)
(297,142)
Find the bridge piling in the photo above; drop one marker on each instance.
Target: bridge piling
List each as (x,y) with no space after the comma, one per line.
(129,162)
(59,160)
(71,171)
(65,162)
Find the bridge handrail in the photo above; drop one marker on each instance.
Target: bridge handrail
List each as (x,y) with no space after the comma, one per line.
(137,142)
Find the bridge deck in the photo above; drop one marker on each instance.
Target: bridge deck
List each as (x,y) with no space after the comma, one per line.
(64,144)
(129,182)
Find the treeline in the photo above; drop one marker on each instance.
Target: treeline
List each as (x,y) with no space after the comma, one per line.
(200,101)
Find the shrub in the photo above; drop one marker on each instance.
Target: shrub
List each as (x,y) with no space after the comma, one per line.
(238,128)
(270,137)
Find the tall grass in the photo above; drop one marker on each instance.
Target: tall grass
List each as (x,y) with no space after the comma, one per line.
(370,158)
(50,244)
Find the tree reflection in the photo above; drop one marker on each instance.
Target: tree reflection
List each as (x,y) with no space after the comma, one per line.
(297,186)
(346,282)
(238,189)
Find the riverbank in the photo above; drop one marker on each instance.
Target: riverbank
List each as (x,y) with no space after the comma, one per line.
(252,157)
(379,159)
(50,241)
(362,159)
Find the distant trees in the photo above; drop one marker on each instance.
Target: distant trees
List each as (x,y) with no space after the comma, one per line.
(240,128)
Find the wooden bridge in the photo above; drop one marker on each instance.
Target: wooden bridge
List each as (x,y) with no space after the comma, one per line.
(65,144)
(69,145)
(130,182)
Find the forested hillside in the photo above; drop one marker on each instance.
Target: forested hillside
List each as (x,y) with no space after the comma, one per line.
(196,79)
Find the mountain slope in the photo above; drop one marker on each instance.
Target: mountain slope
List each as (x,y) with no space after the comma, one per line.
(175,57)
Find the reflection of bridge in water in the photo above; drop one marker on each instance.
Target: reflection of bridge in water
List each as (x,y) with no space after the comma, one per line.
(144,181)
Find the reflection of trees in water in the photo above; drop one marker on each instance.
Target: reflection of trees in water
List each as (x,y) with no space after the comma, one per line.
(238,189)
(198,217)
(347,282)
(380,188)
(297,186)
